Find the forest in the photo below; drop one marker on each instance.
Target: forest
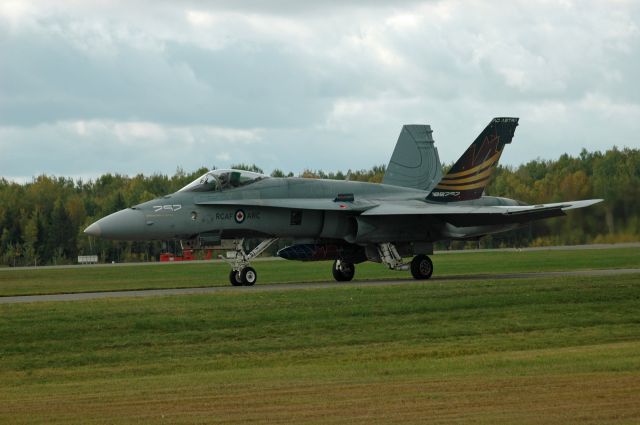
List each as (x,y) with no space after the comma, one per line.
(42,221)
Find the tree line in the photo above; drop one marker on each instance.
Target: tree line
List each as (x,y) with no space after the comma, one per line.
(42,221)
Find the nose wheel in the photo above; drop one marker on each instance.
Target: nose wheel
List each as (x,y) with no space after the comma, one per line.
(234,278)
(246,277)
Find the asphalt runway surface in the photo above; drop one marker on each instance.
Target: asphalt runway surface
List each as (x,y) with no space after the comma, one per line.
(80,296)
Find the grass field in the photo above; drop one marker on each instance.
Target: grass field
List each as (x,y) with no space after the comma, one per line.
(527,351)
(545,350)
(110,278)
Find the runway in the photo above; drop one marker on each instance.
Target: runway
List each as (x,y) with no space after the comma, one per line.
(300,286)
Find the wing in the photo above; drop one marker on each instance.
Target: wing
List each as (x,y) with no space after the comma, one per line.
(468,215)
(297,203)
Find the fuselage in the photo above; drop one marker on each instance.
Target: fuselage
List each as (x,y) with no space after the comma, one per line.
(186,214)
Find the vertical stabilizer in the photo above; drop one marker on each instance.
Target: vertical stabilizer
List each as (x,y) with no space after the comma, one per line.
(471,173)
(415,162)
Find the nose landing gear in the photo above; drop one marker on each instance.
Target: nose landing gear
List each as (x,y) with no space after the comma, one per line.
(241,273)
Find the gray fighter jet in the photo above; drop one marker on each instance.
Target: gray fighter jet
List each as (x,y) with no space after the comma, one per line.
(345,221)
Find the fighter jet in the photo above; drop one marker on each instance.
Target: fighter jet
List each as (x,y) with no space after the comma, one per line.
(348,222)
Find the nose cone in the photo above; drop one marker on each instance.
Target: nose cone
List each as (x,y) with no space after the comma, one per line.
(127,224)
(93,230)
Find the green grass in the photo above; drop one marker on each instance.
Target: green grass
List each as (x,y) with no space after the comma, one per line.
(552,350)
(48,281)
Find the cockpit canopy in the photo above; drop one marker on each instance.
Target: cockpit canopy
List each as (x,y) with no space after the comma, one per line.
(218,180)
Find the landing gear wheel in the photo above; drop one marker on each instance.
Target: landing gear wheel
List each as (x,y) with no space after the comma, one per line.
(248,276)
(343,271)
(421,267)
(234,278)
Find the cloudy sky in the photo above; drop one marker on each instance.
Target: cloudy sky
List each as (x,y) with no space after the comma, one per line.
(88,87)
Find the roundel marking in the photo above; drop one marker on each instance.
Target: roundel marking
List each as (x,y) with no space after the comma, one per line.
(239,216)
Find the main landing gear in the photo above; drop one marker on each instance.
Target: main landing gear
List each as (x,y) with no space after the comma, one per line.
(241,273)
(343,271)
(421,266)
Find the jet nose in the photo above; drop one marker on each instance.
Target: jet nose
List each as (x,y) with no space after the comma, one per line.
(93,229)
(126,224)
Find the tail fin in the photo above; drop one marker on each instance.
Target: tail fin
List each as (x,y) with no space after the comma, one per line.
(470,174)
(415,162)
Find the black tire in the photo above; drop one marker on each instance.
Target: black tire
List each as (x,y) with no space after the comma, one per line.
(234,278)
(421,267)
(248,276)
(343,271)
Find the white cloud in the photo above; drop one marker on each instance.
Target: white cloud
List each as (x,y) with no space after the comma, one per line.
(403,21)
(223,156)
(16,12)
(616,111)
(234,135)
(200,19)
(111,146)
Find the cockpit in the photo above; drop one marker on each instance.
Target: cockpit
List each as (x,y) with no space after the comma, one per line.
(218,180)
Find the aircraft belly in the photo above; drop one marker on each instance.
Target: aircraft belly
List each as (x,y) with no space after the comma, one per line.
(372,229)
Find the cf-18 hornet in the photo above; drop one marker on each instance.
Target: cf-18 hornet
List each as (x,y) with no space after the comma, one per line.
(348,222)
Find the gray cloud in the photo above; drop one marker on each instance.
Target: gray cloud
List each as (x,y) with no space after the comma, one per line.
(148,86)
